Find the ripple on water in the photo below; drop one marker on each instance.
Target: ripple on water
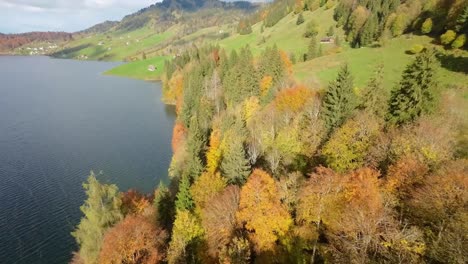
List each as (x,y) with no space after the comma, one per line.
(53,131)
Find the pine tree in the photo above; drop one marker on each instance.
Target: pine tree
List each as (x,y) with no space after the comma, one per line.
(331,31)
(312,49)
(462,21)
(184,199)
(300,19)
(235,166)
(101,210)
(196,140)
(164,204)
(369,30)
(374,95)
(339,101)
(415,93)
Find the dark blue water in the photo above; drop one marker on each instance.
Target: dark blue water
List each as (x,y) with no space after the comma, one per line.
(59,119)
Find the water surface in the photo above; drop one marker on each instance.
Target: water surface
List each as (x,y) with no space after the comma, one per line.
(59,119)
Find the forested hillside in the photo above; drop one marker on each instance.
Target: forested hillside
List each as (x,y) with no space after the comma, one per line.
(9,42)
(368,164)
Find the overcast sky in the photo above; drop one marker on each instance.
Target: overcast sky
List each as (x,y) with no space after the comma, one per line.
(63,15)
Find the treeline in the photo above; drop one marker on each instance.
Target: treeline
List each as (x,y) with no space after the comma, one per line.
(272,13)
(267,170)
(366,21)
(13,41)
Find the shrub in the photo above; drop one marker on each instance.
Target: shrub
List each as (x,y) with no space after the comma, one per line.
(448,37)
(459,41)
(417,48)
(300,19)
(426,27)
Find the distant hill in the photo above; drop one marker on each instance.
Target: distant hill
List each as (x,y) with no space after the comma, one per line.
(155,29)
(9,42)
(99,28)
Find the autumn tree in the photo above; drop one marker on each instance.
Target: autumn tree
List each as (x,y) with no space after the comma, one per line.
(293,99)
(134,202)
(205,187)
(134,240)
(339,101)
(439,204)
(415,93)
(349,144)
(178,136)
(101,210)
(185,234)
(219,219)
(261,212)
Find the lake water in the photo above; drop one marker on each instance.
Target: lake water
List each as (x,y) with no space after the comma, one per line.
(59,119)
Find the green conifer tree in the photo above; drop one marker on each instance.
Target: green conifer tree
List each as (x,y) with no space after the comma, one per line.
(184,199)
(235,165)
(331,31)
(339,101)
(164,205)
(312,51)
(101,210)
(415,93)
(369,30)
(462,21)
(375,96)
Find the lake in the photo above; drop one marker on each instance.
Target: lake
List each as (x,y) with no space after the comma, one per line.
(59,119)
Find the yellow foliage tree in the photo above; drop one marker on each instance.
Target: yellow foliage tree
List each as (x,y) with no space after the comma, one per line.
(213,155)
(265,84)
(205,187)
(249,108)
(186,229)
(261,212)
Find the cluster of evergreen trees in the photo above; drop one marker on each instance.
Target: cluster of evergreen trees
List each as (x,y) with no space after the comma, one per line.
(366,21)
(267,170)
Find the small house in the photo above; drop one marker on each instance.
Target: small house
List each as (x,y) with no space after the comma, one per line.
(327,40)
(151,68)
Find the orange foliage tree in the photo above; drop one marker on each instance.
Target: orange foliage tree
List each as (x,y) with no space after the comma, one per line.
(286,62)
(178,135)
(134,240)
(219,219)
(134,202)
(261,211)
(293,99)
(265,84)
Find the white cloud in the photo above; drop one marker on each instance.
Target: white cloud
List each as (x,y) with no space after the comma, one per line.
(63,15)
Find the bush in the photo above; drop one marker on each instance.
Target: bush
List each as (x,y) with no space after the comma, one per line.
(459,41)
(448,37)
(311,29)
(417,48)
(426,27)
(300,19)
